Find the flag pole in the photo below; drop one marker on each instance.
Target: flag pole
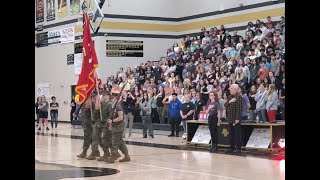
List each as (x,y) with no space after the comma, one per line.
(91,111)
(77,110)
(97,87)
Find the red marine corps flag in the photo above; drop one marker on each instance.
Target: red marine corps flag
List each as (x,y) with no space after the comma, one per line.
(87,79)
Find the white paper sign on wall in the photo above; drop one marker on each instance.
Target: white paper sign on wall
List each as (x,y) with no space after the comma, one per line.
(259,138)
(202,135)
(67,35)
(77,63)
(43,89)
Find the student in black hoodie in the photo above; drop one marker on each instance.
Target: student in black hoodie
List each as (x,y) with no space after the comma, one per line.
(128,101)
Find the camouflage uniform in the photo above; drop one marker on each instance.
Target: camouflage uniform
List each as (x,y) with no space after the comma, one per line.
(106,108)
(98,127)
(87,130)
(117,141)
(106,134)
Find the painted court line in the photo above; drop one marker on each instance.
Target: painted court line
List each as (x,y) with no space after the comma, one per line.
(227,177)
(142,171)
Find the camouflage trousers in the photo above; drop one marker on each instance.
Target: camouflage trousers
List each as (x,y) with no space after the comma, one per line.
(101,136)
(118,143)
(87,136)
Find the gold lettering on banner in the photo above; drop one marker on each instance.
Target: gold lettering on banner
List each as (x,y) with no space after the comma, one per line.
(225,132)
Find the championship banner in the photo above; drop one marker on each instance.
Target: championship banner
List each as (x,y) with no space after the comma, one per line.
(75,7)
(51,10)
(39,11)
(62,8)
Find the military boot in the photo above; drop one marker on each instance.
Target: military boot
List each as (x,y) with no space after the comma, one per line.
(93,155)
(126,158)
(105,156)
(112,158)
(117,155)
(83,154)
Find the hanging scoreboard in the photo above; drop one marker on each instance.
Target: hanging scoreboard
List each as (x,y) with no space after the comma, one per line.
(120,48)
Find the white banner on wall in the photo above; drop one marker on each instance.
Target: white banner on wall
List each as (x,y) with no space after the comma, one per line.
(54,36)
(43,89)
(67,35)
(77,63)
(59,36)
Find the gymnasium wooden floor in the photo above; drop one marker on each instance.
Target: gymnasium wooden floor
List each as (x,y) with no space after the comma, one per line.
(151,159)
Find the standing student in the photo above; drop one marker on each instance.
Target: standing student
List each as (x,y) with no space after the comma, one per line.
(213,109)
(199,104)
(272,103)
(145,113)
(260,98)
(37,110)
(174,114)
(186,112)
(43,112)
(54,106)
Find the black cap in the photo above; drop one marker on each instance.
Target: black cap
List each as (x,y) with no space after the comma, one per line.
(174,94)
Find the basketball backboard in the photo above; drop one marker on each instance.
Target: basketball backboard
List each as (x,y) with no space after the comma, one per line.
(93,8)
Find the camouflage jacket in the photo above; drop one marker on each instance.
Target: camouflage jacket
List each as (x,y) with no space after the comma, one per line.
(118,126)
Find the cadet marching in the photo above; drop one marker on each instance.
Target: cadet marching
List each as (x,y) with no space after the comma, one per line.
(105,129)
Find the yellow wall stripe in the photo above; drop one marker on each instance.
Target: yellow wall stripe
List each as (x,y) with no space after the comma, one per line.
(231,19)
(241,18)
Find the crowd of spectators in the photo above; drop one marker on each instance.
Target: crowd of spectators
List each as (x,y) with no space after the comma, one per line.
(210,62)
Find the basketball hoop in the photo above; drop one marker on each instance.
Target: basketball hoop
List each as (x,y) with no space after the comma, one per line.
(93,8)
